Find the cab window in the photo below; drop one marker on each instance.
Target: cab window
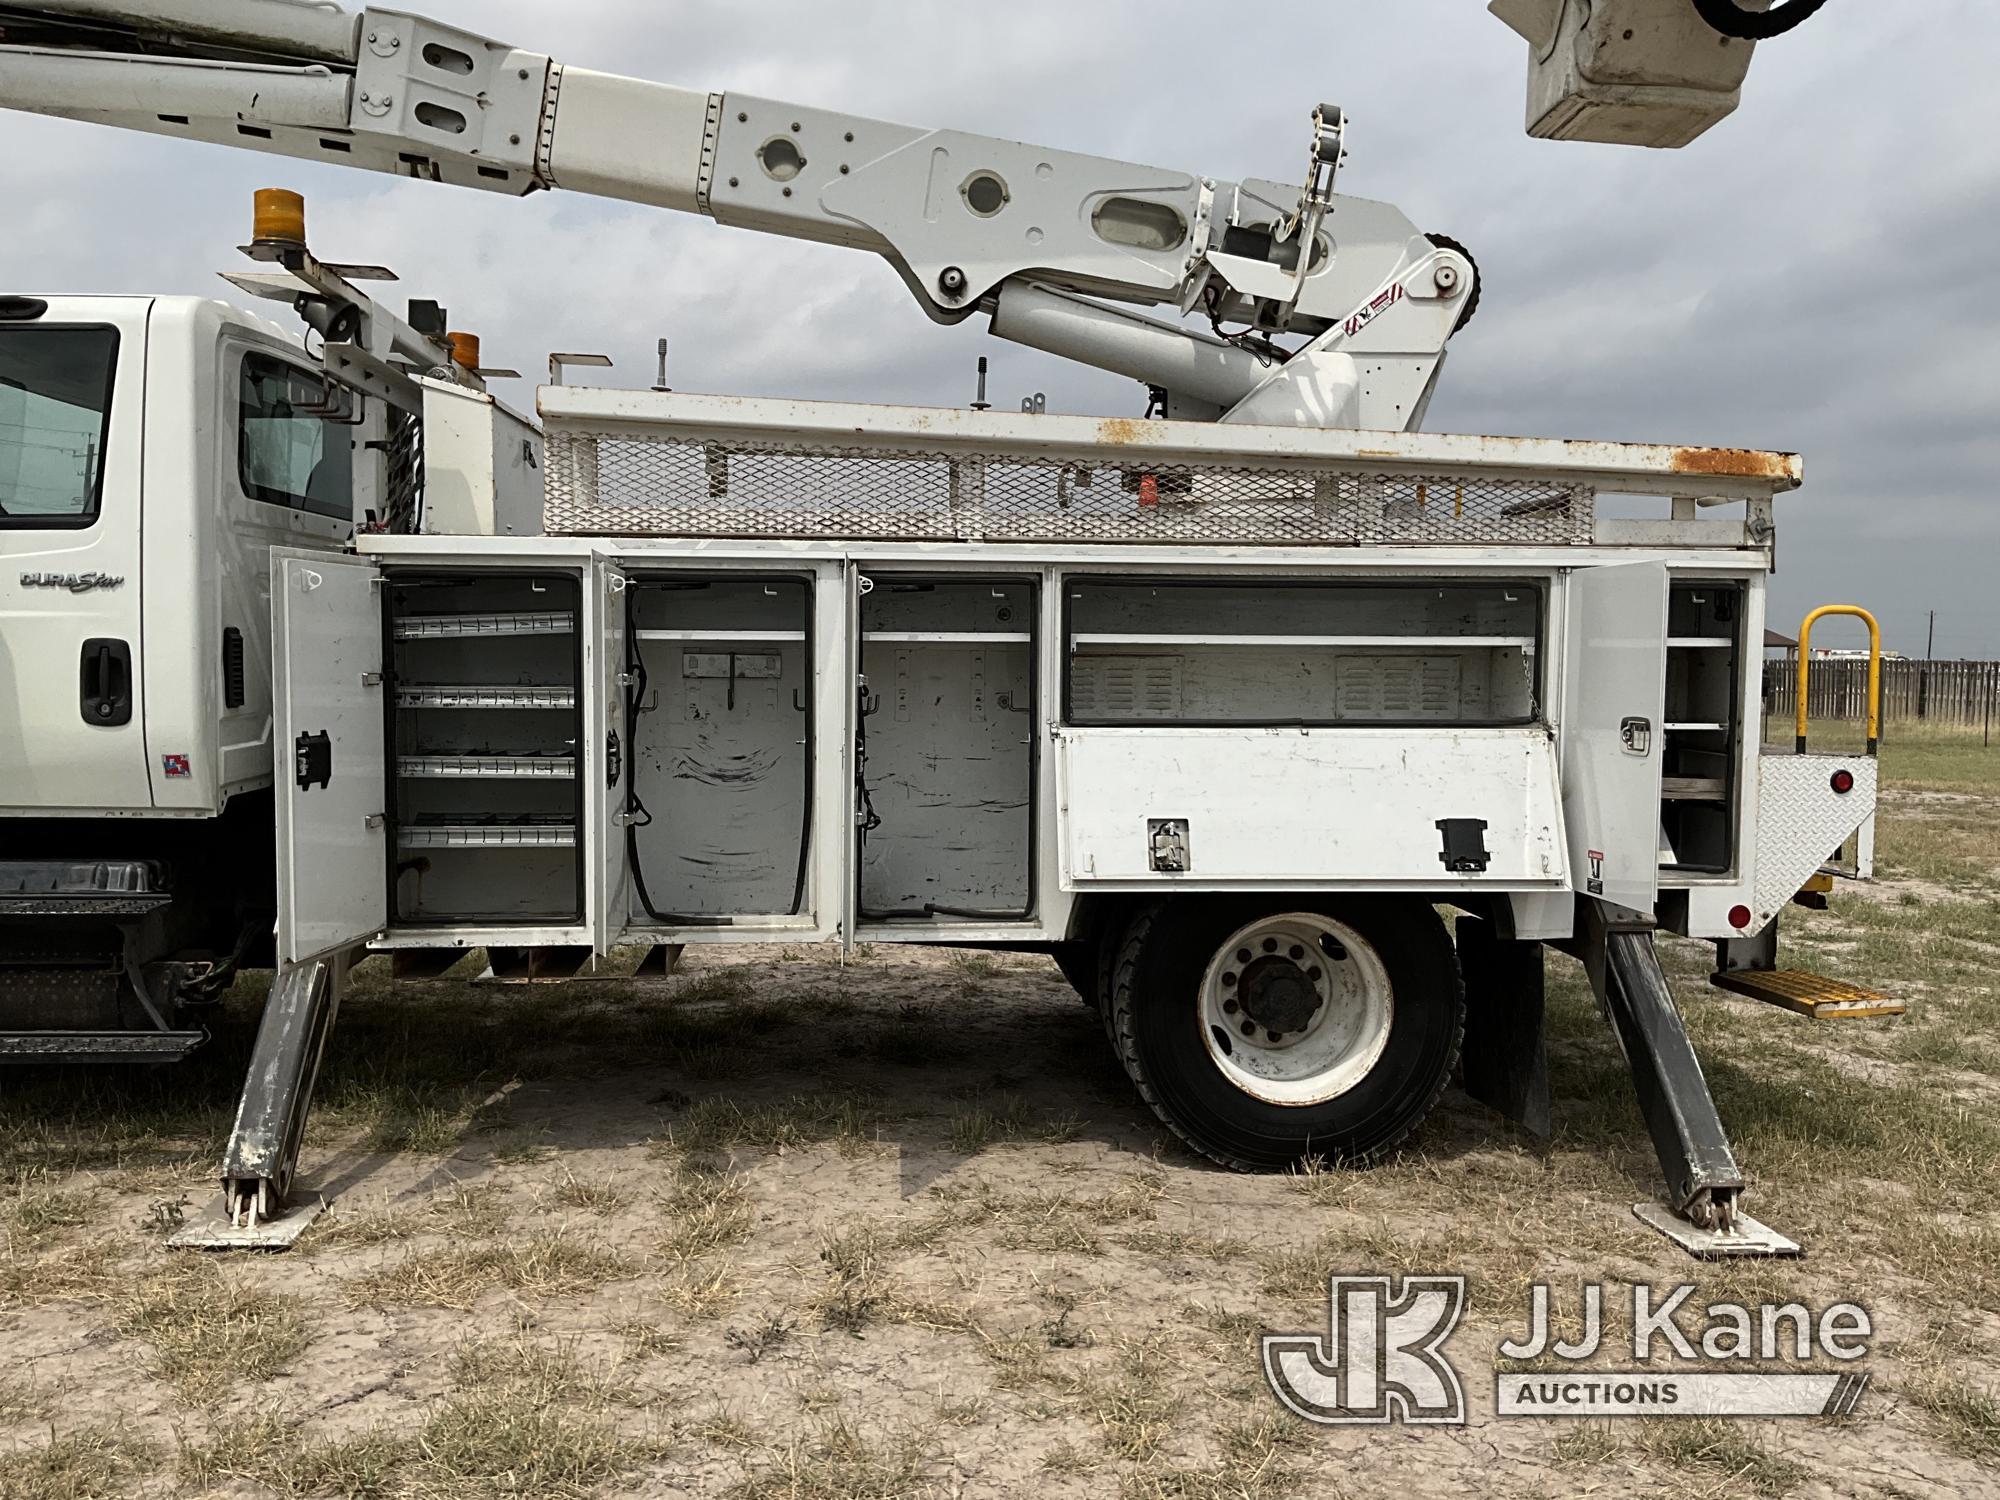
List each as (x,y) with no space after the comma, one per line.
(288,452)
(55,410)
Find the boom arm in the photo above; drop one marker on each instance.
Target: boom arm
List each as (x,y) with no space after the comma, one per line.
(971,223)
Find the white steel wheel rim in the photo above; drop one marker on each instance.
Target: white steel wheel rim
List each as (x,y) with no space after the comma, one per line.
(1296,959)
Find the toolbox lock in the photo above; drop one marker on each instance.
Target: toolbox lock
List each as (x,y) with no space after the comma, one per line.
(1464,845)
(312,760)
(1167,845)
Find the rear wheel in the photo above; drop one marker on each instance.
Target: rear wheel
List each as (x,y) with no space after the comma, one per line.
(1265,1030)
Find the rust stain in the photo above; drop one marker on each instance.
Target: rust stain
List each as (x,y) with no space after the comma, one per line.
(1732,463)
(1118,430)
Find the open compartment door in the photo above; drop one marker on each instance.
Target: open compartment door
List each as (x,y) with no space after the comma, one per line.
(608,761)
(1611,746)
(327,692)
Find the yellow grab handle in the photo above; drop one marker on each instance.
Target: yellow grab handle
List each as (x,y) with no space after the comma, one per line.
(1874,670)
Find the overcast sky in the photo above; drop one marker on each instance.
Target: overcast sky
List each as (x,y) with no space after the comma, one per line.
(1817,274)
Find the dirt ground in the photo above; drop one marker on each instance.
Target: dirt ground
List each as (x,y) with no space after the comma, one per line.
(900,1226)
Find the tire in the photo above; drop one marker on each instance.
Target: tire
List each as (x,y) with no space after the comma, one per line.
(1368,1042)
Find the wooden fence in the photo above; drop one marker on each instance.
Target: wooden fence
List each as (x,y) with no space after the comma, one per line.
(1948,694)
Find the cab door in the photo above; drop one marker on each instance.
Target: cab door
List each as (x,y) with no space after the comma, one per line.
(333,853)
(1610,744)
(72,437)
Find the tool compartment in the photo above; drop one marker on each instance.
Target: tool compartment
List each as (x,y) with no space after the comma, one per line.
(483,732)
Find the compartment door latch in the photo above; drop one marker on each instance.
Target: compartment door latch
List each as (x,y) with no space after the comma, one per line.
(1167,845)
(1464,845)
(312,760)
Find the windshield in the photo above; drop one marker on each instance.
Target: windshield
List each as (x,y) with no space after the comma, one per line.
(55,403)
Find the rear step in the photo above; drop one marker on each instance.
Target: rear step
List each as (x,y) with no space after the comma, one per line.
(1811,995)
(97,1046)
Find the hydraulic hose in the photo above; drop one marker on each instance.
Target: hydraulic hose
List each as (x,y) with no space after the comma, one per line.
(1731,19)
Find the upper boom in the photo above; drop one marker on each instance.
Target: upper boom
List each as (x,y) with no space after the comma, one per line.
(971,223)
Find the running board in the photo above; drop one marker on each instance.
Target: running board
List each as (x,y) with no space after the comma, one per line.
(1812,995)
(98,1046)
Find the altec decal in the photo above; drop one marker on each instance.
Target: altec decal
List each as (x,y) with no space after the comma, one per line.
(76,583)
(1384,300)
(176,765)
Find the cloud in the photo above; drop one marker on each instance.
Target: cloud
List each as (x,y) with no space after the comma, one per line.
(1816,274)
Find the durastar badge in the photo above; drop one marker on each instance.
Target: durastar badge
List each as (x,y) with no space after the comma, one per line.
(76,583)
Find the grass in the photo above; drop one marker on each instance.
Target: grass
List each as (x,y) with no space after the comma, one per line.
(209,1330)
(720,1123)
(1968,1418)
(1716,1450)
(84,1463)
(542,1265)
(707,1210)
(840,1462)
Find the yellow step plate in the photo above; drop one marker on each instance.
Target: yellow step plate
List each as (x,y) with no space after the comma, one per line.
(1809,994)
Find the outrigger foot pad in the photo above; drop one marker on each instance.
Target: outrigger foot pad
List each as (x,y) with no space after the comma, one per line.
(1743,1238)
(214,1228)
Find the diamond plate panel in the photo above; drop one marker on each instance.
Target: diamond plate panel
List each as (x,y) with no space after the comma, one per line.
(1802,821)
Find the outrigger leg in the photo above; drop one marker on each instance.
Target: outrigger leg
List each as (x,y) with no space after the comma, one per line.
(1703,1213)
(263,1151)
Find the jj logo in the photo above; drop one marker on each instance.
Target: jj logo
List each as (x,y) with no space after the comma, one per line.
(1381,1359)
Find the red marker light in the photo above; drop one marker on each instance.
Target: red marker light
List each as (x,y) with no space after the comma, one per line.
(1739,917)
(1842,781)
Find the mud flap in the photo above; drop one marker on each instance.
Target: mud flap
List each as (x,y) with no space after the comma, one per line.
(1506,1052)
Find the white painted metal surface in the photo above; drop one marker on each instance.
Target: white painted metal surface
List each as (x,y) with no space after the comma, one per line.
(1613,695)
(61,585)
(608,735)
(482,465)
(1284,808)
(332,850)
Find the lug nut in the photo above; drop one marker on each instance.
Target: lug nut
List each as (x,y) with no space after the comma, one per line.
(1295,952)
(1228,981)
(1244,955)
(1276,1036)
(1314,973)
(1229,1007)
(1249,1028)
(1270,945)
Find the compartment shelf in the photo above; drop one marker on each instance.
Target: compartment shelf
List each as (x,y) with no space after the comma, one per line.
(1695,728)
(1699,642)
(531,831)
(760,636)
(528,767)
(459,627)
(1373,642)
(442,695)
(1693,789)
(948,637)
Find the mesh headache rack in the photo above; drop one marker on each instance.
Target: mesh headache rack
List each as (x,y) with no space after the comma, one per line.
(637,463)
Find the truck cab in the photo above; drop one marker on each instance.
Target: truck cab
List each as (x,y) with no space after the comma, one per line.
(153,450)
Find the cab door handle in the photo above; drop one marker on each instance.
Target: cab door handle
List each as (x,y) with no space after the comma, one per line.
(105,682)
